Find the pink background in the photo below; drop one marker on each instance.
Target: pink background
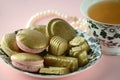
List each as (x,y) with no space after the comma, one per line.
(14,15)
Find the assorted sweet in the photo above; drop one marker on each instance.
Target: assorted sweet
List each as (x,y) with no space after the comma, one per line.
(79,50)
(47,49)
(58,45)
(27,62)
(61,61)
(76,41)
(9,45)
(31,41)
(54,70)
(59,27)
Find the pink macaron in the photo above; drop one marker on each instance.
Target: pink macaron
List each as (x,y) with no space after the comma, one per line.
(31,41)
(27,62)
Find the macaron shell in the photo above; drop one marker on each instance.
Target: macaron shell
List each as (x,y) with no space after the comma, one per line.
(27,62)
(9,45)
(27,49)
(26,57)
(32,39)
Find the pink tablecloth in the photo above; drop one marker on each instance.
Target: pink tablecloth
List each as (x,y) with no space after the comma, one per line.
(14,15)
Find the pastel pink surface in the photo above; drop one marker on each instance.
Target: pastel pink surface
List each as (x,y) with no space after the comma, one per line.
(29,62)
(14,15)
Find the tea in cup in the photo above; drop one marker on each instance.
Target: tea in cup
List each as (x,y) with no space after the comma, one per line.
(103,17)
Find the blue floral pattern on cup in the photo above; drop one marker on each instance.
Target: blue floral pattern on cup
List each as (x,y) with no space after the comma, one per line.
(108,34)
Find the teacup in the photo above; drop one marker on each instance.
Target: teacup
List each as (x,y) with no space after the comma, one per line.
(107,33)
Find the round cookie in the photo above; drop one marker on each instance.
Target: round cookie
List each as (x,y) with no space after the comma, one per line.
(31,41)
(27,62)
(59,27)
(9,45)
(58,46)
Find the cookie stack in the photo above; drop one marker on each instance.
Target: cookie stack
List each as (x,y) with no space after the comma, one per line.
(58,45)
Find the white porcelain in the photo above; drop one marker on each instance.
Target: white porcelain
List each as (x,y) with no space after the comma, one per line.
(108,34)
